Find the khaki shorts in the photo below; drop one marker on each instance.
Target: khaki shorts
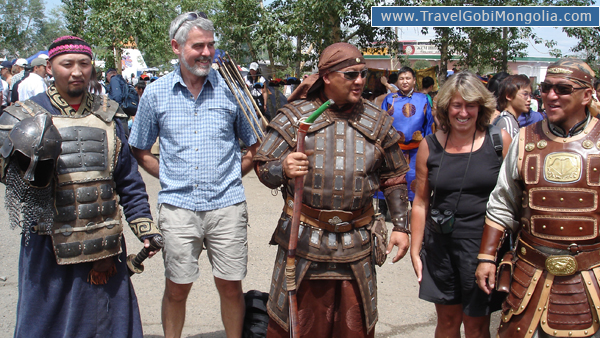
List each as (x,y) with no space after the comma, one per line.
(223,233)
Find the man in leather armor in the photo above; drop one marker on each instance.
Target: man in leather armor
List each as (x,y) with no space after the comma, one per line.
(352,151)
(547,196)
(73,277)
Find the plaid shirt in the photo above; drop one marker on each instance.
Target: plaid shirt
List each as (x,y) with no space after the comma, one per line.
(200,159)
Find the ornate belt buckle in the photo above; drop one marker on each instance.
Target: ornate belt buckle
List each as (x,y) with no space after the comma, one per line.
(337,223)
(561,265)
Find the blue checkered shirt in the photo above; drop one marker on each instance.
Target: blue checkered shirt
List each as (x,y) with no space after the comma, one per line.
(200,159)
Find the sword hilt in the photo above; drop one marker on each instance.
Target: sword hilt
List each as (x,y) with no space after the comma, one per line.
(135,262)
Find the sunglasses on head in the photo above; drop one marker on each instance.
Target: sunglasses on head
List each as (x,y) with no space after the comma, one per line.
(352,75)
(191,17)
(559,88)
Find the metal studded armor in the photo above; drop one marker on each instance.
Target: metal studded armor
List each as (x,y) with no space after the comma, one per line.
(87,222)
(555,282)
(353,152)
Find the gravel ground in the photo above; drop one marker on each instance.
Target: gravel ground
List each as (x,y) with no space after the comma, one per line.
(401,313)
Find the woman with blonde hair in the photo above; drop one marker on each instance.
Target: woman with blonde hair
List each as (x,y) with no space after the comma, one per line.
(456,170)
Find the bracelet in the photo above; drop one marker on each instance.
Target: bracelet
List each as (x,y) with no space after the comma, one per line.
(485,261)
(398,228)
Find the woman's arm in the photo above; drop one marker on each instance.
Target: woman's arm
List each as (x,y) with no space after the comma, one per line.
(419,208)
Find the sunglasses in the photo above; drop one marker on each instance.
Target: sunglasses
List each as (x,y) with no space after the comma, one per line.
(191,17)
(352,75)
(559,88)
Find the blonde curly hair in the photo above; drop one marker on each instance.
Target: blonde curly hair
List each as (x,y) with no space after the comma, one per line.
(471,89)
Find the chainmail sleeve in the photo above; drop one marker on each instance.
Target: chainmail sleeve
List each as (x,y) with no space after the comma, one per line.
(505,200)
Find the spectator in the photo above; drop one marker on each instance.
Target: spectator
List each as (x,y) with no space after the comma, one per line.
(18,71)
(35,82)
(514,99)
(116,90)
(140,87)
(5,71)
(412,118)
(255,82)
(427,85)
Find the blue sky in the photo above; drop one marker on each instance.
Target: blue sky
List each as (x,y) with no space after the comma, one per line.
(409,33)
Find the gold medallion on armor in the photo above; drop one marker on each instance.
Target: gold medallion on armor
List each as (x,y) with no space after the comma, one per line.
(529,146)
(561,265)
(587,144)
(598,145)
(542,144)
(562,167)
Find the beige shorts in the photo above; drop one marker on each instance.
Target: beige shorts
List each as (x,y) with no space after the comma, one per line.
(223,233)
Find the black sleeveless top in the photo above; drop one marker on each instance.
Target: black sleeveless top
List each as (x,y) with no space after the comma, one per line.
(480,181)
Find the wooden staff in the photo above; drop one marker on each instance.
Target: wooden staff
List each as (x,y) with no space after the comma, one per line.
(240,104)
(290,266)
(233,81)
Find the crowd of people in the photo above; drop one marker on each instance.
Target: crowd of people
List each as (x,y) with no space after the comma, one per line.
(497,209)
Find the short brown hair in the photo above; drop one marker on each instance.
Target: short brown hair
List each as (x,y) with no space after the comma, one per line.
(509,87)
(471,89)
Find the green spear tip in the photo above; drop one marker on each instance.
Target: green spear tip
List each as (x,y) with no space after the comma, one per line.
(319,111)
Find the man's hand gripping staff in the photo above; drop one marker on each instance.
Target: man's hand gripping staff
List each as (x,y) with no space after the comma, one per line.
(290,267)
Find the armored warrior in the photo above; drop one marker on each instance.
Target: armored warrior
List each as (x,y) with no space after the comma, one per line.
(352,150)
(547,195)
(73,278)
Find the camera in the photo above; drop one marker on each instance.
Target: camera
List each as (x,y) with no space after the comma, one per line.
(444,222)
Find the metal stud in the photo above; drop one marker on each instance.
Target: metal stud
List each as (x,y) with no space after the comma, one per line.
(562,228)
(580,228)
(562,199)
(581,200)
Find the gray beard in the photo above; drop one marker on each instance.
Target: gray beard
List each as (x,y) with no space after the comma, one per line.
(27,206)
(196,70)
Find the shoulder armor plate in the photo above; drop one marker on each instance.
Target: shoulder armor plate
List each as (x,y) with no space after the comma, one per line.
(104,107)
(369,122)
(286,122)
(22,110)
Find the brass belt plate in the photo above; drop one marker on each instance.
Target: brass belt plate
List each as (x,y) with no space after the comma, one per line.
(562,167)
(561,265)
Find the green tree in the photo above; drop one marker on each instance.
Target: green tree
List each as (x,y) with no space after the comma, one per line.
(20,22)
(587,44)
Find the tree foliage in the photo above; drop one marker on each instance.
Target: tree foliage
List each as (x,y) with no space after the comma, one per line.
(21,23)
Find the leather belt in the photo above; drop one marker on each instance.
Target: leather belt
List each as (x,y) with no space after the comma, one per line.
(588,257)
(332,220)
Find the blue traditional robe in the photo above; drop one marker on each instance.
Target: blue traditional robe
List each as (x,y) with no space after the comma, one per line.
(413,121)
(57,300)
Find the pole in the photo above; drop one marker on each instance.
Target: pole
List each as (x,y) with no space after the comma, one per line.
(290,266)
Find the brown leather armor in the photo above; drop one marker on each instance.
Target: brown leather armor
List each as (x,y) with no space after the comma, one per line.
(555,279)
(353,153)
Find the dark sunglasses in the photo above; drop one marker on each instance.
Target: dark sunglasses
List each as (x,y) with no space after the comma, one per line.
(559,88)
(191,17)
(352,75)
